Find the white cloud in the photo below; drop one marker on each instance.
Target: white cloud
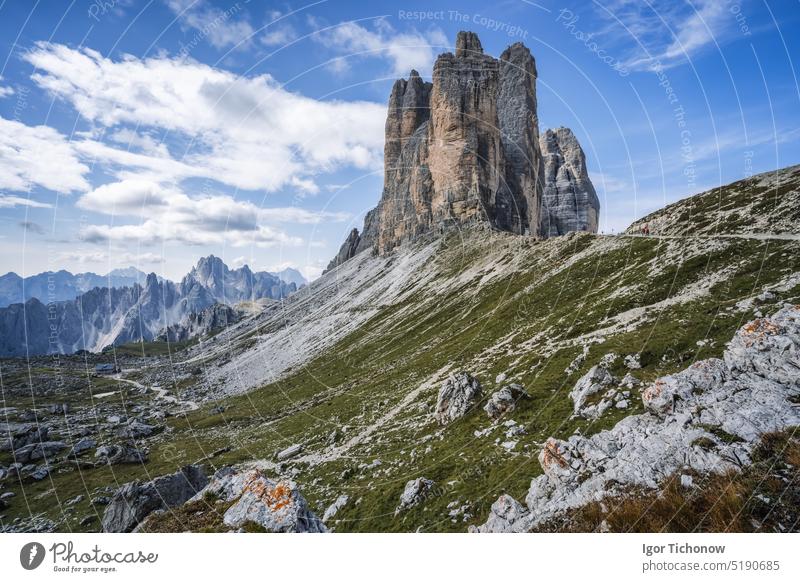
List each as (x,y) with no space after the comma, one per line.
(312,270)
(5,91)
(168,214)
(8,201)
(697,30)
(128,198)
(405,51)
(278,32)
(221,28)
(239,262)
(248,133)
(38,156)
(119,257)
(141,141)
(670,33)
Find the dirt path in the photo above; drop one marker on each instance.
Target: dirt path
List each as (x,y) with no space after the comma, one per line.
(161,394)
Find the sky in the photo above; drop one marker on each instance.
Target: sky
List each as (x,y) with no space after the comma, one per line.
(151,133)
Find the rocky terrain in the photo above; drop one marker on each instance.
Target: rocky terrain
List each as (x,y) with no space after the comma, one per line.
(669,354)
(106,316)
(466,148)
(708,418)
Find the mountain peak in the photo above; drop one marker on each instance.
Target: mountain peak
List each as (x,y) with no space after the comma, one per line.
(468,44)
(465,148)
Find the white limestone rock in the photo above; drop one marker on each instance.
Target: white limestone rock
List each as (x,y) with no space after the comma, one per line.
(334,507)
(456,397)
(504,400)
(504,513)
(746,395)
(596,380)
(415,492)
(277,506)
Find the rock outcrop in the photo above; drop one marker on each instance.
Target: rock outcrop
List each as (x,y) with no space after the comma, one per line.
(595,381)
(570,201)
(414,493)
(134,501)
(347,251)
(457,396)
(465,148)
(706,419)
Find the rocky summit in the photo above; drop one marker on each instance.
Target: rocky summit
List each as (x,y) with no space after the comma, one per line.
(465,147)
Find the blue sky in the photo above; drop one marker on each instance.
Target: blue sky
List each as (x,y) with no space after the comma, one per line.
(151,133)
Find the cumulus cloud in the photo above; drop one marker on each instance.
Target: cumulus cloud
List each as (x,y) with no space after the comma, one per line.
(405,51)
(38,156)
(249,133)
(169,214)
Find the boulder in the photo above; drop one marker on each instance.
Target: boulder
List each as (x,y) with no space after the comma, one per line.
(14,436)
(769,347)
(82,446)
(120,454)
(504,400)
(276,506)
(135,429)
(630,381)
(36,451)
(289,452)
(134,501)
(415,492)
(596,380)
(456,397)
(663,395)
(334,507)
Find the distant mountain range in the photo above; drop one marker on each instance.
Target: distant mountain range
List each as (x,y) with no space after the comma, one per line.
(54,286)
(62,313)
(62,285)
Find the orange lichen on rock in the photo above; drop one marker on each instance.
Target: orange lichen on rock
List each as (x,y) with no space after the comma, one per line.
(552,455)
(761,327)
(275,498)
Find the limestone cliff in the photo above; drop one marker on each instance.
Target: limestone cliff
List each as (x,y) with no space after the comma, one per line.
(466,148)
(570,202)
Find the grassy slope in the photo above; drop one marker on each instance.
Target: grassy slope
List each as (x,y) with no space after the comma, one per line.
(530,323)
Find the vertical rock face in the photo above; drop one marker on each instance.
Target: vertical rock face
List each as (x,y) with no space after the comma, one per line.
(466,148)
(570,202)
(519,129)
